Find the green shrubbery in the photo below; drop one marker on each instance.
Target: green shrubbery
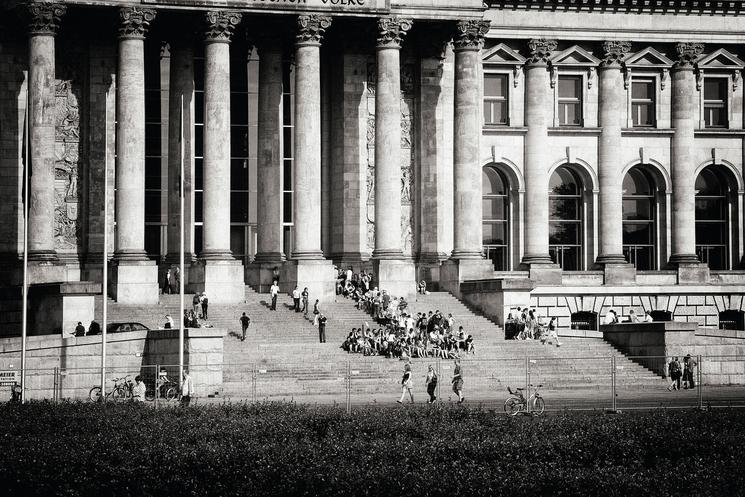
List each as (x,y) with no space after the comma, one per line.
(285,449)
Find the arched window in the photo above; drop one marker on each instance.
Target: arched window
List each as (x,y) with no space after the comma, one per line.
(496,209)
(712,218)
(639,207)
(565,219)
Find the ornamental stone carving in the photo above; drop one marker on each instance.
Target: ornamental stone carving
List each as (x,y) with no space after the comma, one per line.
(687,54)
(540,51)
(134,22)
(470,34)
(391,31)
(614,52)
(44,18)
(221,25)
(310,29)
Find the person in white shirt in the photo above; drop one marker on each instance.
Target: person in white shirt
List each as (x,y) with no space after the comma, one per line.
(647,317)
(187,389)
(296,298)
(274,292)
(611,317)
(169,322)
(138,391)
(633,318)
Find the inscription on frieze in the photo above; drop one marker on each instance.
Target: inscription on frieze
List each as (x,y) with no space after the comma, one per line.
(371,6)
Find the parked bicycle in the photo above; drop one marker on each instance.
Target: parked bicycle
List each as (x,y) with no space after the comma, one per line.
(122,390)
(517,402)
(166,388)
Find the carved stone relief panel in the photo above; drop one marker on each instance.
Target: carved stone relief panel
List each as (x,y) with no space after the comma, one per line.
(67,228)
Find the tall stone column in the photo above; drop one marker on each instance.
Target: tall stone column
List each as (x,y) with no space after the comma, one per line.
(269,252)
(181,148)
(134,277)
(684,112)
(309,268)
(612,114)
(467,261)
(218,274)
(539,112)
(392,272)
(44,20)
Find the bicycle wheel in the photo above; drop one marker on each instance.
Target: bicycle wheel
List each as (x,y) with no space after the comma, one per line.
(539,406)
(119,394)
(95,394)
(171,393)
(150,394)
(511,406)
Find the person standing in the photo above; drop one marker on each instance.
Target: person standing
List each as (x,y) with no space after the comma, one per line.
(167,282)
(458,382)
(406,384)
(305,295)
(431,382)
(274,292)
(322,328)
(296,298)
(176,288)
(245,321)
(674,374)
(690,367)
(205,305)
(195,304)
(187,389)
(316,312)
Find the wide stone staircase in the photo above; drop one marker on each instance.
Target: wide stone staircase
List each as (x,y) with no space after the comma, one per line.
(282,359)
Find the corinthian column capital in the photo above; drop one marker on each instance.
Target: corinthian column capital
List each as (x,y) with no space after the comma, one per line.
(310,29)
(391,31)
(540,51)
(44,17)
(470,34)
(220,25)
(687,54)
(614,52)
(134,22)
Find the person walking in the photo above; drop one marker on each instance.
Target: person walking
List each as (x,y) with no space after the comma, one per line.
(187,389)
(322,328)
(305,295)
(296,298)
(689,366)
(316,312)
(431,382)
(205,305)
(274,292)
(245,321)
(458,382)
(674,374)
(406,384)
(167,282)
(553,336)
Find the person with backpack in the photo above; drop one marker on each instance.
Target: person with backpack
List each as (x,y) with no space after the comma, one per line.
(431,382)
(674,374)
(245,321)
(689,366)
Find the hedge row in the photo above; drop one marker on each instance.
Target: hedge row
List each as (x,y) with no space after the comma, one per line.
(81,449)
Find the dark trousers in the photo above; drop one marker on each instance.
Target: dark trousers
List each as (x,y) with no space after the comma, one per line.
(185,400)
(688,376)
(322,334)
(204,311)
(431,389)
(244,331)
(297,304)
(274,302)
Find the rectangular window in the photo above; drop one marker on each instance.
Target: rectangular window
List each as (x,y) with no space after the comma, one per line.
(715,103)
(643,103)
(496,99)
(570,100)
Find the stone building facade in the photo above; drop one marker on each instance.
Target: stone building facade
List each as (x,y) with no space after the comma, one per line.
(562,149)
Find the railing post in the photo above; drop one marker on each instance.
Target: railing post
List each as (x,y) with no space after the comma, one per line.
(699,377)
(349,388)
(55,385)
(156,386)
(613,383)
(527,376)
(253,382)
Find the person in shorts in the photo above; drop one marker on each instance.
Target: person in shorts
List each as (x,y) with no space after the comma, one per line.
(458,382)
(406,384)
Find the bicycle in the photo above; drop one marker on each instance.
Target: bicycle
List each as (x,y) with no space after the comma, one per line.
(517,403)
(167,389)
(122,390)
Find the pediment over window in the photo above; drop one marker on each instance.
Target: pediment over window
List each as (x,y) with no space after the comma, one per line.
(502,55)
(648,58)
(575,56)
(721,59)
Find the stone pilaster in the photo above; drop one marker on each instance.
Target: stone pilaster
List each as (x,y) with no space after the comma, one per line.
(612,112)
(218,273)
(538,116)
(684,112)
(44,20)
(309,269)
(391,271)
(134,278)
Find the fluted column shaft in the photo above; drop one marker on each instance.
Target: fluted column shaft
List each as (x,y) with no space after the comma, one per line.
(130,127)
(538,115)
(467,215)
(307,213)
(43,24)
(216,200)
(269,178)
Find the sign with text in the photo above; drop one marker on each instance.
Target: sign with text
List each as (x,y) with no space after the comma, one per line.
(333,6)
(8,378)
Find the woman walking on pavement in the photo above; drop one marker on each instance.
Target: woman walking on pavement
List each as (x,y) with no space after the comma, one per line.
(458,382)
(431,383)
(406,384)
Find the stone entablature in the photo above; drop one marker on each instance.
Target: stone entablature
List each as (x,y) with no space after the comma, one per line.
(624,6)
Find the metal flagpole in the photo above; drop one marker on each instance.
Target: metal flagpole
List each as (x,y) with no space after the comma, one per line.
(181,244)
(24,305)
(105,284)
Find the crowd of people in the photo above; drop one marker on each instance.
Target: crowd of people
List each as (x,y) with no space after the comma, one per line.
(526,324)
(681,374)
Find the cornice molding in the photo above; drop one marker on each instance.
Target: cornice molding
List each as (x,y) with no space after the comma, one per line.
(724,8)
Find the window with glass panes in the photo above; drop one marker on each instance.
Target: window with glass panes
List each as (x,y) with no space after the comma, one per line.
(496,206)
(239,151)
(639,219)
(156,158)
(570,100)
(288,96)
(712,218)
(496,99)
(198,152)
(715,102)
(565,219)
(643,102)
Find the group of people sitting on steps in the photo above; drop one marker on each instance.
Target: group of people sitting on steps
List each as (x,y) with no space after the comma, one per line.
(352,285)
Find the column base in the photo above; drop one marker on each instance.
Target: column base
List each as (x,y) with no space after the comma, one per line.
(428,267)
(276,258)
(396,276)
(133,282)
(221,279)
(317,275)
(693,273)
(529,259)
(358,260)
(42,255)
(453,272)
(618,273)
(43,272)
(174,259)
(259,275)
(544,274)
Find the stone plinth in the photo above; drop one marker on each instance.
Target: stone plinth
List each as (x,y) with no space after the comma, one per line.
(318,275)
(57,308)
(259,275)
(396,276)
(619,274)
(455,271)
(134,282)
(693,273)
(497,298)
(222,280)
(545,273)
